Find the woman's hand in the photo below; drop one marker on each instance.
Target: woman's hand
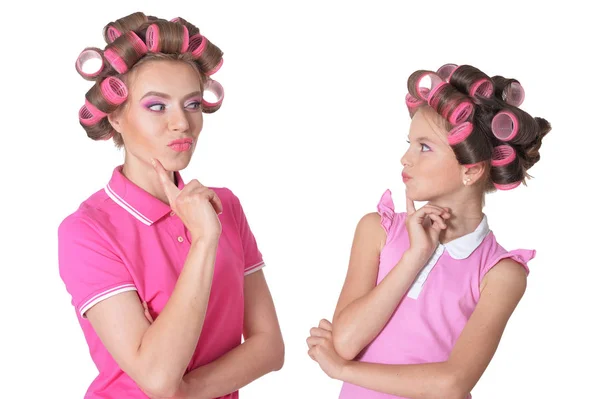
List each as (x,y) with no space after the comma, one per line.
(196,205)
(321,350)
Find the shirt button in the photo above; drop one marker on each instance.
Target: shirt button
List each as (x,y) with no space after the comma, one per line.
(180,239)
(172,213)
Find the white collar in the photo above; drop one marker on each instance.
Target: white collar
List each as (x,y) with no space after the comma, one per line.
(462,247)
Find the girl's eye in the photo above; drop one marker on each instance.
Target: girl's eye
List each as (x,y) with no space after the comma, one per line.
(425,148)
(157,107)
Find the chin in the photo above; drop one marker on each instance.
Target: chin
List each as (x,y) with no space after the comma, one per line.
(419,195)
(177,163)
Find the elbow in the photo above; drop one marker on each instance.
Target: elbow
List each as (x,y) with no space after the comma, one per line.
(452,387)
(278,355)
(159,386)
(343,345)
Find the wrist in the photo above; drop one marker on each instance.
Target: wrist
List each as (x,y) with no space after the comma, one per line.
(205,243)
(346,370)
(415,259)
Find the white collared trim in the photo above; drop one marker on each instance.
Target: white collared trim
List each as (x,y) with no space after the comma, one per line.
(104,295)
(254,268)
(121,202)
(464,246)
(417,285)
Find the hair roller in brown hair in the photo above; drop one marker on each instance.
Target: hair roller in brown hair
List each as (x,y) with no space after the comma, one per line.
(472,81)
(506,172)
(445,71)
(192,29)
(421,83)
(85,60)
(514,126)
(167,37)
(509,90)
(125,51)
(115,29)
(413,104)
(215,88)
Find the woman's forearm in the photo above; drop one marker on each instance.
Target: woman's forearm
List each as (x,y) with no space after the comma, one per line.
(169,343)
(257,356)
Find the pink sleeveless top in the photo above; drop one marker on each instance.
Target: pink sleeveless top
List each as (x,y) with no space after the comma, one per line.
(429,319)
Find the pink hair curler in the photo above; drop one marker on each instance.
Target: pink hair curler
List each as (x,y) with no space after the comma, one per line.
(503,155)
(432,98)
(83,62)
(446,71)
(112,33)
(412,102)
(153,38)
(513,94)
(197,45)
(138,44)
(115,60)
(186,39)
(460,133)
(217,89)
(215,69)
(90,115)
(505,126)
(113,90)
(461,113)
(423,91)
(482,87)
(508,186)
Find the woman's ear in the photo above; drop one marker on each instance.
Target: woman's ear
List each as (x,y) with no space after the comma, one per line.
(115,119)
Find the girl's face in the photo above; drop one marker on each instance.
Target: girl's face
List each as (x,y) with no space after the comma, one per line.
(162,117)
(431,171)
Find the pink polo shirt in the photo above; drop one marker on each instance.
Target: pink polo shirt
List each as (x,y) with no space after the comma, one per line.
(429,319)
(123,239)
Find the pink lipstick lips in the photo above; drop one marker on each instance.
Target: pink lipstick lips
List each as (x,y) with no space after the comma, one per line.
(181,145)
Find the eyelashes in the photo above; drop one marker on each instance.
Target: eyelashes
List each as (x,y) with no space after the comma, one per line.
(158,106)
(423,145)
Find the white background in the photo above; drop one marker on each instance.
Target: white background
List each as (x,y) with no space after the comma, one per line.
(310,135)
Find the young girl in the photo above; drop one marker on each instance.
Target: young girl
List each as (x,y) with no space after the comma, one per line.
(429,292)
(165,276)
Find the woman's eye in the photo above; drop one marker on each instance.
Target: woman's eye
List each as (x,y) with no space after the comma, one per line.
(425,148)
(194,105)
(157,107)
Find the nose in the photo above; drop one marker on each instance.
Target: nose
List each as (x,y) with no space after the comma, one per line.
(406,159)
(178,120)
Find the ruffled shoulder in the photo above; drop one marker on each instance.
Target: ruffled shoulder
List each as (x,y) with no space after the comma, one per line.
(522,256)
(385,208)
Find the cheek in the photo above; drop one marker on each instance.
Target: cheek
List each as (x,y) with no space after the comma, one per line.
(143,127)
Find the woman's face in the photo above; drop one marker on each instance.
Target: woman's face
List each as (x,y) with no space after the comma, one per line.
(162,117)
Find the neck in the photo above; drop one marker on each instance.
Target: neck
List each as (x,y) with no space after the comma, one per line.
(466,212)
(143,175)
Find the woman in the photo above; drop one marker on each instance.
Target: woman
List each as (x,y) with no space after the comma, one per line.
(165,276)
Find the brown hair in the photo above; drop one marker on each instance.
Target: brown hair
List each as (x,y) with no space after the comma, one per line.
(482,98)
(129,45)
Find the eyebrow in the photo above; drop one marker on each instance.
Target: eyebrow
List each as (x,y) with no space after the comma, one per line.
(421,138)
(164,95)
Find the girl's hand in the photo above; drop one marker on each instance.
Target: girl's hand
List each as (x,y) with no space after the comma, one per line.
(424,227)
(321,350)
